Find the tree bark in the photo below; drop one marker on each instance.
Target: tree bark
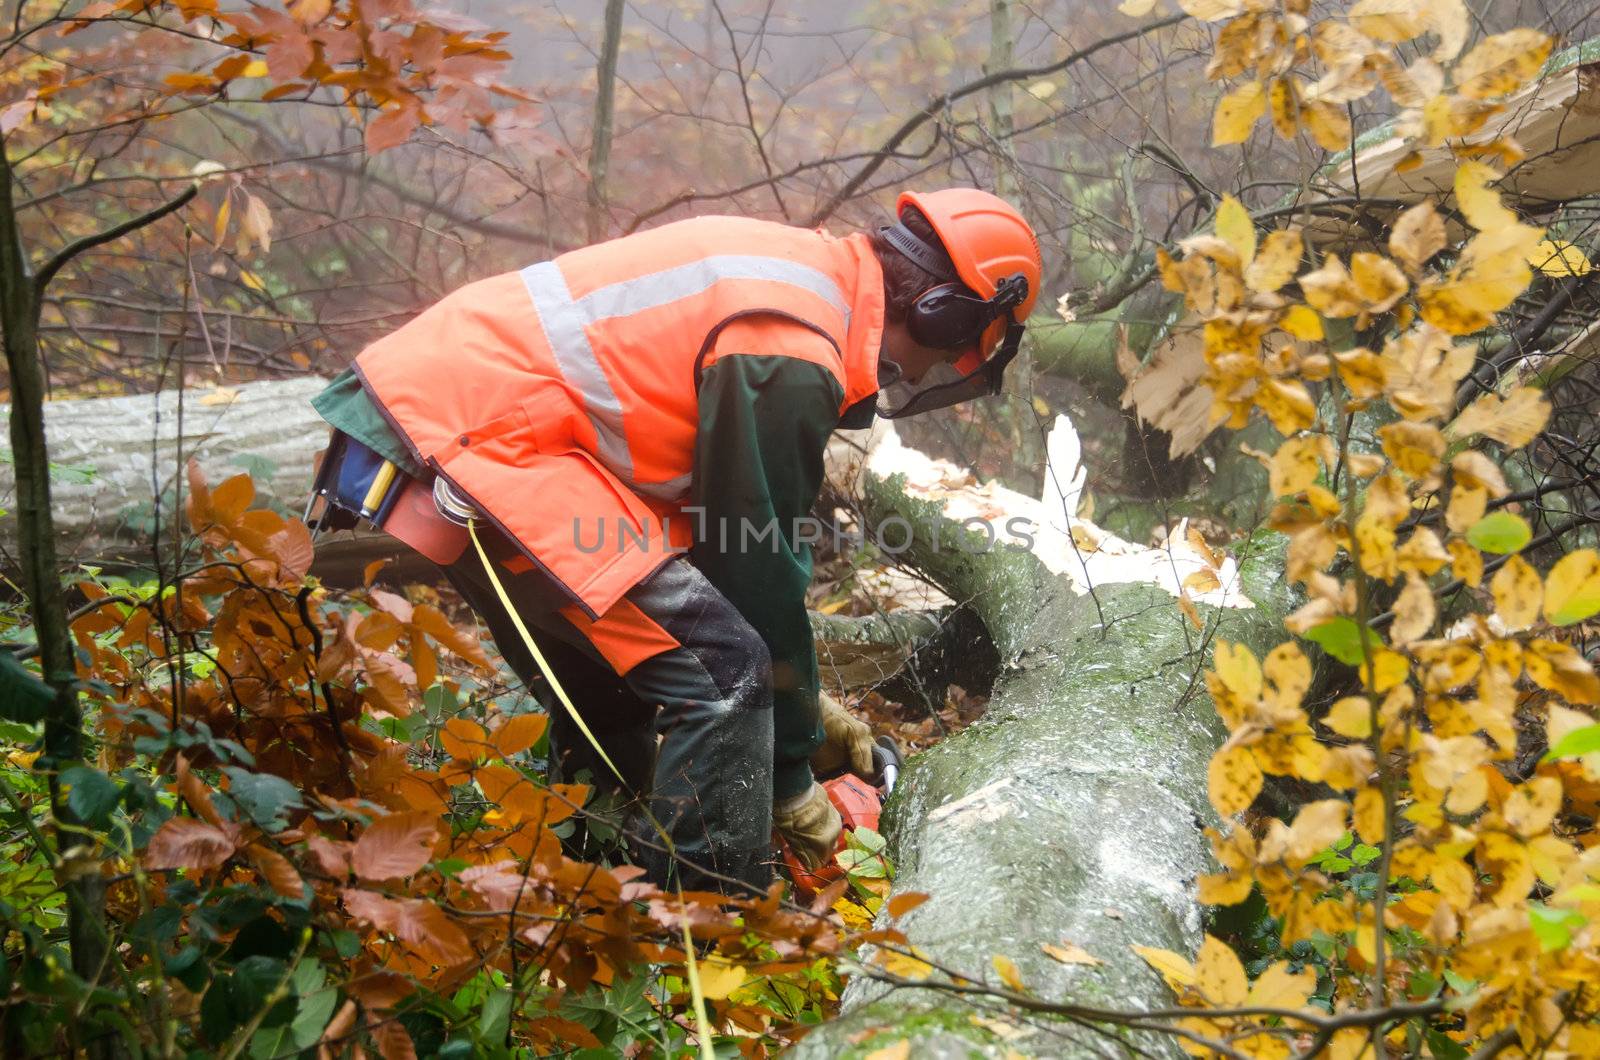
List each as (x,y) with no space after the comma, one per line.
(1071,812)
(604,111)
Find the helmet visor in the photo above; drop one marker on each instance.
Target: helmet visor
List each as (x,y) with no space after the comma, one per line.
(946,385)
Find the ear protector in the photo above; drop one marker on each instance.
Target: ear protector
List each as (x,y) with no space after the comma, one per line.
(950,315)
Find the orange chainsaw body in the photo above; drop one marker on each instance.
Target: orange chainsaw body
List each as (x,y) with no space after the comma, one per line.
(860,804)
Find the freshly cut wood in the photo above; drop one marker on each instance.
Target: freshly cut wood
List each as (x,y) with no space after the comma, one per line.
(1556,119)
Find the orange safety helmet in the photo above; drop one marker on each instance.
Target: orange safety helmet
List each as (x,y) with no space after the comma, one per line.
(996,259)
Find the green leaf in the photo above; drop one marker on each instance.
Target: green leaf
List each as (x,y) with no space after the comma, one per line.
(311,1016)
(495,1016)
(23,697)
(1443,1047)
(868,840)
(91,795)
(309,976)
(1576,743)
(1340,638)
(1364,854)
(1554,927)
(268,1043)
(1500,532)
(265,797)
(254,979)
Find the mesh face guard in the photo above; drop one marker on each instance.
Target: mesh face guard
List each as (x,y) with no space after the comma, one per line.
(983,381)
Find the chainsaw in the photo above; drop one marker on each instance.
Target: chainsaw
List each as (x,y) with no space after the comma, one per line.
(859,801)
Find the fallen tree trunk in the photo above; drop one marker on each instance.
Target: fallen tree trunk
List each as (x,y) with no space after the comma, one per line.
(113,459)
(1072,811)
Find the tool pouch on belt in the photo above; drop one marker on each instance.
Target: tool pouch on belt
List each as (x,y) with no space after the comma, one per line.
(355,484)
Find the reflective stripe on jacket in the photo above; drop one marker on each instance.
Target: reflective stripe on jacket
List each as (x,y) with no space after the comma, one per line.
(563,397)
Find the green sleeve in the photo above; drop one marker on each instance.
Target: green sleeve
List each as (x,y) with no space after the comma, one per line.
(764,423)
(347,406)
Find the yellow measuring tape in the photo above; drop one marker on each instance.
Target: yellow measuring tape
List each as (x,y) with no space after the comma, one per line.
(696,993)
(538,656)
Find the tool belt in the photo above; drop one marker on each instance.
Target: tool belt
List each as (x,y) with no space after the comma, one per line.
(354,484)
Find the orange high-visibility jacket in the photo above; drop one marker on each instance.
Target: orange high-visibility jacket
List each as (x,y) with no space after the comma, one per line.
(567,391)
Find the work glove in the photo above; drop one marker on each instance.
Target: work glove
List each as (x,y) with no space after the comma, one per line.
(810,824)
(847,741)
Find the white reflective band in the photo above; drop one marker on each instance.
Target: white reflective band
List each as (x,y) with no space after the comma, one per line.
(563,324)
(682,281)
(670,490)
(565,318)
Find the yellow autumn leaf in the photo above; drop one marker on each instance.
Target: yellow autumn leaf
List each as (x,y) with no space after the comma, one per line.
(1329,289)
(1518,593)
(1283,102)
(1174,968)
(1296,464)
(900,1050)
(1423,553)
(1391,21)
(1287,404)
(1368,815)
(1136,8)
(719,977)
(1378,281)
(1221,888)
(1414,611)
(1572,588)
(1418,235)
(1478,202)
(257,222)
(1362,371)
(1476,471)
(219,228)
(1350,717)
(1070,953)
(1278,987)
(1560,668)
(1275,261)
(1006,968)
(1532,806)
(1235,228)
(1315,828)
(254,68)
(1233,780)
(1219,975)
(1501,63)
(1237,113)
(1466,507)
(1238,669)
(1302,322)
(1389,669)
(1415,448)
(909,965)
(1466,562)
(1560,258)
(1465,303)
(1514,420)
(1450,21)
(1328,124)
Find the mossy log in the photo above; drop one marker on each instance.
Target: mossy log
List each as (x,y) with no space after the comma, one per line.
(1071,812)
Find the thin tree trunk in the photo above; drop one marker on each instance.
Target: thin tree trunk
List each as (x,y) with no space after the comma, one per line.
(36,553)
(604,108)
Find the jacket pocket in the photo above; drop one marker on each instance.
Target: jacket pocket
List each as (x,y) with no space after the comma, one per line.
(550,413)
